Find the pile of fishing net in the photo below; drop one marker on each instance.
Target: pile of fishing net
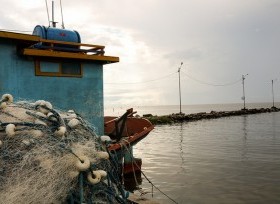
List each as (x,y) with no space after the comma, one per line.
(50,156)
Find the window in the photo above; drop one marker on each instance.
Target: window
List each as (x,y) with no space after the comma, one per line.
(58,68)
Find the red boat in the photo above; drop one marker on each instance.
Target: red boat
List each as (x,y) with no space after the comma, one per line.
(126,130)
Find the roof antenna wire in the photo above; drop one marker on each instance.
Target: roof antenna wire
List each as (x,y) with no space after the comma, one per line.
(62,24)
(48,13)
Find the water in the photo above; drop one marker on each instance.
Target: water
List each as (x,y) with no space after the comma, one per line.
(226,160)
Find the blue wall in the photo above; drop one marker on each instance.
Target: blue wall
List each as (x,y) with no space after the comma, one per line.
(84,95)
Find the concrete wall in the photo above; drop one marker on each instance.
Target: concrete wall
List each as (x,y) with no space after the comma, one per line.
(84,95)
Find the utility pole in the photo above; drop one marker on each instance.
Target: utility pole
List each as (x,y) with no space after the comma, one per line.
(243,98)
(273,93)
(179,71)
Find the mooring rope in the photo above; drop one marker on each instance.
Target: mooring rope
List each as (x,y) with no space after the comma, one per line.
(152,184)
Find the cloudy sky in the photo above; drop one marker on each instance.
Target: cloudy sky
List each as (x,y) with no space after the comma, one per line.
(217,40)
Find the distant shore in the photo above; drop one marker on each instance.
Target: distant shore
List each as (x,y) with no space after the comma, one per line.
(181,117)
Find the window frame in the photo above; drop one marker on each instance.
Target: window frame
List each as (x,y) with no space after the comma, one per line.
(38,72)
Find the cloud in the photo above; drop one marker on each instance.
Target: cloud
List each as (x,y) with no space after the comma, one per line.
(218,41)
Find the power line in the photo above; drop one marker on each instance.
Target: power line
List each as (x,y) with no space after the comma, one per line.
(142,82)
(211,84)
(185,74)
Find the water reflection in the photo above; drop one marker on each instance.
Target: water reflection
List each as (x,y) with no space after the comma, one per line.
(229,160)
(274,126)
(181,149)
(245,134)
(245,124)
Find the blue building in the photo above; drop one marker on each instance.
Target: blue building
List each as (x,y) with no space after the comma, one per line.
(54,66)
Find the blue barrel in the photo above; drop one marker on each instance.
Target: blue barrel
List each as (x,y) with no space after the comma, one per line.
(58,34)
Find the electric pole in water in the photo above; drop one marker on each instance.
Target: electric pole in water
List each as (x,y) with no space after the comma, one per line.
(179,71)
(243,98)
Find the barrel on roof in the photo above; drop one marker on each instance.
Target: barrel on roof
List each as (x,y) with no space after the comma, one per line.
(57,34)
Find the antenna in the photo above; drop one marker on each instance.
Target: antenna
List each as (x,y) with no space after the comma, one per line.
(53,22)
(48,12)
(62,23)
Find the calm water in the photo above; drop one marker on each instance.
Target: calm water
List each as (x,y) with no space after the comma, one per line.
(227,160)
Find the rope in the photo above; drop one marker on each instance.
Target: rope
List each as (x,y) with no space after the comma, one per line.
(53,148)
(153,185)
(8,114)
(158,188)
(24,124)
(42,118)
(71,151)
(81,185)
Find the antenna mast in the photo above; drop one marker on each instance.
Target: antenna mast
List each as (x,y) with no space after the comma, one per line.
(48,12)
(53,22)
(62,23)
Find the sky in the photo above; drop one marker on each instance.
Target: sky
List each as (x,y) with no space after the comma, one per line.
(218,41)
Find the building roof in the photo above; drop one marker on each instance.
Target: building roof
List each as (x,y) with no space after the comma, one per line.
(38,47)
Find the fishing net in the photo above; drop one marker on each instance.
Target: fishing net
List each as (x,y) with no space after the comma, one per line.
(51,156)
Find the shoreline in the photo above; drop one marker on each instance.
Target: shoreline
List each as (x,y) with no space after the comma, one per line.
(181,117)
